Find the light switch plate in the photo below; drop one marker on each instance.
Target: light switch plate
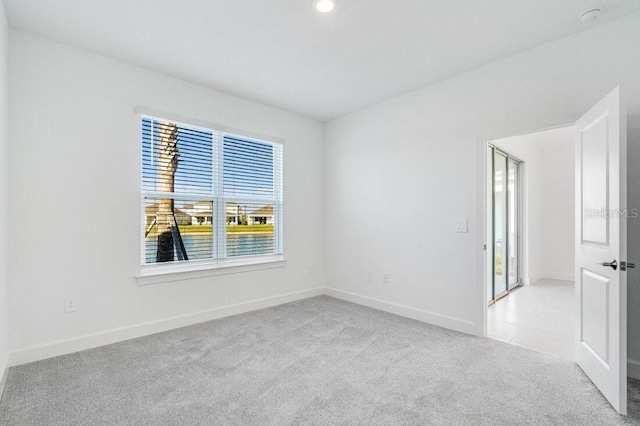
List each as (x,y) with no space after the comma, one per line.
(462,226)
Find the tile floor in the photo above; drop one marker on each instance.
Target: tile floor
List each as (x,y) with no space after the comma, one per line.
(538,317)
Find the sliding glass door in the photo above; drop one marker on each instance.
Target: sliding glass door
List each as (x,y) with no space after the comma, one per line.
(503,224)
(512,224)
(500,224)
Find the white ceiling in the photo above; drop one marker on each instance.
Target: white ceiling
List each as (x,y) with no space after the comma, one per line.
(283,53)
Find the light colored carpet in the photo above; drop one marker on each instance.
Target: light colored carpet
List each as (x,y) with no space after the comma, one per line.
(317,361)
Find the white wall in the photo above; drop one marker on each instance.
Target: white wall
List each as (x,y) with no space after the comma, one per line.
(399,174)
(549,201)
(558,209)
(75,199)
(4,164)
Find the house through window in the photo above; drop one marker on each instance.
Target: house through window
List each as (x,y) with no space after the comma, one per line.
(209,195)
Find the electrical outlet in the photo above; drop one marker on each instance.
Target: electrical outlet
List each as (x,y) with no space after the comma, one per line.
(385,278)
(369,276)
(71,303)
(310,269)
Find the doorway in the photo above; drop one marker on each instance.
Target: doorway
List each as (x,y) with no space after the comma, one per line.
(530,241)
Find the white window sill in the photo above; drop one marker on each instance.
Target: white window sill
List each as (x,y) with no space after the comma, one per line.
(162,273)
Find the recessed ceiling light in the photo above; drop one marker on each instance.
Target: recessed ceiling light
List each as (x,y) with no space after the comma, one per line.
(325,6)
(590,15)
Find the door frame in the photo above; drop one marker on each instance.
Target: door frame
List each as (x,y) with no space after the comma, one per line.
(481,237)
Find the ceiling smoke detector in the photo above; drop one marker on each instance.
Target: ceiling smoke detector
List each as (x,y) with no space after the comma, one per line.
(590,15)
(325,6)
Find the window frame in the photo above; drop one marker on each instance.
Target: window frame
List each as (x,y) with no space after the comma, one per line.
(218,264)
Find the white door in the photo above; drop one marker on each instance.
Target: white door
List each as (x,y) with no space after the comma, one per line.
(601,236)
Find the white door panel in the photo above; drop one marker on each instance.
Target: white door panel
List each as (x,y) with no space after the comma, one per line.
(595,297)
(595,171)
(601,292)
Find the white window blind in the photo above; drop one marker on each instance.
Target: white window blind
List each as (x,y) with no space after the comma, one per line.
(209,195)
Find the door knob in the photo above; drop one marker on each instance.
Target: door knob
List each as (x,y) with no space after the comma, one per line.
(613,264)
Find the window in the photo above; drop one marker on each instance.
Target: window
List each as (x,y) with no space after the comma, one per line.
(210,197)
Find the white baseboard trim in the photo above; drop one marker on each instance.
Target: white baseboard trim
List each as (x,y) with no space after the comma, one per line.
(405,311)
(633,368)
(548,275)
(561,277)
(532,280)
(77,344)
